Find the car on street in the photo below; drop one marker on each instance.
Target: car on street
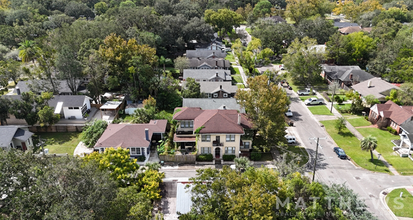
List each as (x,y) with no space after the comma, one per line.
(340,153)
(290,139)
(289,113)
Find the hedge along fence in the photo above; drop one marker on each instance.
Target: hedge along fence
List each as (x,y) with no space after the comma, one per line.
(178,158)
(226,157)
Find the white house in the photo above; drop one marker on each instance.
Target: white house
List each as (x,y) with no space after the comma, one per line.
(15,137)
(70,106)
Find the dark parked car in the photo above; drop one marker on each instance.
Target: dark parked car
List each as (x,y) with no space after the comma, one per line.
(340,152)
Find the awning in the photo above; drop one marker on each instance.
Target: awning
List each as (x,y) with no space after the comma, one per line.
(111,105)
(184,138)
(58,108)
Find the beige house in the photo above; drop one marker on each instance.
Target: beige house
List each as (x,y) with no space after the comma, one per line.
(220,132)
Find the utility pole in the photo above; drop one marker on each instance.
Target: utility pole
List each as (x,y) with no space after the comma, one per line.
(316,155)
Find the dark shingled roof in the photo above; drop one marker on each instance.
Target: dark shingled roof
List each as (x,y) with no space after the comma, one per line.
(68,100)
(24,86)
(205,54)
(211,63)
(357,75)
(7,133)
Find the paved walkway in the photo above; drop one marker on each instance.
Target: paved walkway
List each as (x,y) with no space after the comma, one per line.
(81,150)
(243,76)
(356,133)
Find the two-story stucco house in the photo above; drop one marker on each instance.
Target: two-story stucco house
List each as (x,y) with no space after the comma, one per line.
(219,132)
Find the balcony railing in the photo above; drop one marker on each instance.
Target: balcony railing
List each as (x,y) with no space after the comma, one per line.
(216,143)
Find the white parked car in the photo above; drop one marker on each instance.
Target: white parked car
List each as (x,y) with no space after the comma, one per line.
(290,139)
(314,101)
(289,113)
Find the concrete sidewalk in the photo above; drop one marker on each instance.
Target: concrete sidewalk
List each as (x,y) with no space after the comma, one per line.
(356,133)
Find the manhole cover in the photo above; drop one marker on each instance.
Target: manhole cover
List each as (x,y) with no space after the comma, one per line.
(357,178)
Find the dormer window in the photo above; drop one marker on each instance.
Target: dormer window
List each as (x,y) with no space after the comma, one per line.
(225,95)
(215,95)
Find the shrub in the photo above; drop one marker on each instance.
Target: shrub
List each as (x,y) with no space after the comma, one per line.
(391,130)
(325,95)
(255,156)
(205,157)
(367,118)
(228,157)
(338,99)
(141,158)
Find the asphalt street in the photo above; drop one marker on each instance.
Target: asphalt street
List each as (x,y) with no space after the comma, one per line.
(330,169)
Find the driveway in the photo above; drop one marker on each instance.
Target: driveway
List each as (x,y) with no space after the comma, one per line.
(331,169)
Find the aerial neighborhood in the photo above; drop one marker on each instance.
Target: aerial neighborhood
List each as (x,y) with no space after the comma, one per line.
(206,109)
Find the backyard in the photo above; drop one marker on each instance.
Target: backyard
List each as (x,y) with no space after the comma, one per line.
(320,110)
(351,145)
(401,207)
(60,143)
(384,146)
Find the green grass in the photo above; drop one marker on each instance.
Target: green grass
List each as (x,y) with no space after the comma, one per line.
(343,107)
(395,203)
(60,143)
(240,86)
(297,150)
(237,78)
(230,57)
(126,118)
(341,96)
(351,145)
(320,110)
(237,72)
(357,121)
(403,165)
(266,157)
(305,97)
(248,29)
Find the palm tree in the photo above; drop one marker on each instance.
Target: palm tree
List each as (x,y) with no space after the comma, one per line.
(28,50)
(369,144)
(242,163)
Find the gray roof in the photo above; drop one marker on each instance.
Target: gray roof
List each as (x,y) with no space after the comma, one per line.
(205,54)
(212,63)
(211,87)
(408,127)
(344,24)
(207,74)
(357,75)
(7,133)
(335,72)
(24,86)
(378,88)
(207,103)
(68,100)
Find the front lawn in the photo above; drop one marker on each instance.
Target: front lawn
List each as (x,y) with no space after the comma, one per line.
(240,86)
(401,207)
(230,57)
(403,165)
(351,145)
(237,71)
(320,110)
(305,97)
(237,78)
(297,150)
(357,121)
(59,142)
(344,107)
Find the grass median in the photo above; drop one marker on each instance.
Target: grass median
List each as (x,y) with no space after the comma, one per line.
(351,145)
(320,110)
(403,165)
(401,206)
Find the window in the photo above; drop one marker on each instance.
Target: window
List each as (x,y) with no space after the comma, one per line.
(187,124)
(230,150)
(75,107)
(215,95)
(206,138)
(225,95)
(101,150)
(135,150)
(205,150)
(11,144)
(230,138)
(70,108)
(247,145)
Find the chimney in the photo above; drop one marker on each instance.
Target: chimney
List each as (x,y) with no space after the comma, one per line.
(18,91)
(216,63)
(220,86)
(147,134)
(216,74)
(351,76)
(369,84)
(239,118)
(224,107)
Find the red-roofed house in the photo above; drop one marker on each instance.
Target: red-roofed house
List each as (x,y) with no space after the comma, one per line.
(137,138)
(391,114)
(220,131)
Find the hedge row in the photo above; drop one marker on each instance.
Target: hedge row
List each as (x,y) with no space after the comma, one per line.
(228,157)
(204,157)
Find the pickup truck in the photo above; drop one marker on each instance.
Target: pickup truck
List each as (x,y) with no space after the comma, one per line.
(304,92)
(314,101)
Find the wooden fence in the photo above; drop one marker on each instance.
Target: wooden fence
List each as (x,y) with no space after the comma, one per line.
(178,158)
(57,128)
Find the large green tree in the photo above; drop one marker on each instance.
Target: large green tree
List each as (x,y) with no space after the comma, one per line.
(92,132)
(4,110)
(298,10)
(265,103)
(192,89)
(28,51)
(70,68)
(303,61)
(223,20)
(29,105)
